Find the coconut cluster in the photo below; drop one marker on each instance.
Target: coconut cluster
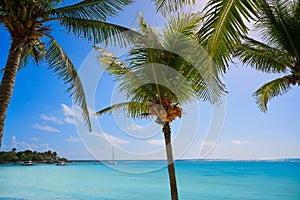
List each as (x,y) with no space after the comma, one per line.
(165,111)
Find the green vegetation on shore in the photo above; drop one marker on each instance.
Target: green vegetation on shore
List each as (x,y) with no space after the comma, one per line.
(40,157)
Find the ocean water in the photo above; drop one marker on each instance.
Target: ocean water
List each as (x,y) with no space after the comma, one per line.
(209,180)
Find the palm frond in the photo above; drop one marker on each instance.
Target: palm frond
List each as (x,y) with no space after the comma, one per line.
(112,63)
(173,64)
(280,25)
(272,89)
(173,76)
(61,64)
(166,68)
(35,51)
(166,6)
(223,27)
(190,58)
(133,109)
(91,9)
(150,36)
(187,24)
(100,32)
(263,57)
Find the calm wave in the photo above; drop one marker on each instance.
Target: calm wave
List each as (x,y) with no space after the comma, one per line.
(216,180)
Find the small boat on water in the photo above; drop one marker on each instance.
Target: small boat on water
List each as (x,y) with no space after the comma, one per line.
(61,163)
(112,162)
(27,163)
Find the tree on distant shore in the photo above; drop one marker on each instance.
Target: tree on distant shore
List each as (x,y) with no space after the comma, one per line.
(29,25)
(164,71)
(14,156)
(279,23)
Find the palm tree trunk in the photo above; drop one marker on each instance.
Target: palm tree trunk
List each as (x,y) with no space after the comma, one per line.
(8,79)
(171,167)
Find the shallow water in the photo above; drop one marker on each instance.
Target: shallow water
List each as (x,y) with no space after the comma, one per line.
(216,180)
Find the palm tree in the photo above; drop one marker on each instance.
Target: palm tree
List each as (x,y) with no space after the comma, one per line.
(163,72)
(28,23)
(279,23)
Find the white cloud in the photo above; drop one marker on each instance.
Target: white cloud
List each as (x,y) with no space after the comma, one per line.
(20,145)
(134,127)
(156,142)
(45,128)
(112,139)
(51,119)
(35,139)
(69,120)
(67,110)
(70,113)
(73,139)
(240,142)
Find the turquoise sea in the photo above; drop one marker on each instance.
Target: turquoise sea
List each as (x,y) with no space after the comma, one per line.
(209,180)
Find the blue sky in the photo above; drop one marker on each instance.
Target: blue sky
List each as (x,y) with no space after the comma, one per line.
(40,116)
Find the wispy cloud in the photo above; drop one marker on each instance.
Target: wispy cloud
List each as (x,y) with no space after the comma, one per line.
(51,119)
(67,110)
(134,127)
(69,120)
(156,142)
(70,115)
(73,139)
(20,145)
(35,139)
(112,139)
(45,128)
(239,142)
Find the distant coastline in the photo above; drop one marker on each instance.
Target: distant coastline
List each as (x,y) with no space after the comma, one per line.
(48,157)
(21,157)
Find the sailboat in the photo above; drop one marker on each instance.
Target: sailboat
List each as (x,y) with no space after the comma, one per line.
(112,162)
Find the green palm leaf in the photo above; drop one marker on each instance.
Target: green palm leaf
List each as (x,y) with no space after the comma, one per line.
(167,66)
(35,51)
(193,61)
(91,9)
(112,63)
(99,32)
(133,109)
(166,6)
(61,64)
(272,89)
(224,26)
(279,23)
(264,57)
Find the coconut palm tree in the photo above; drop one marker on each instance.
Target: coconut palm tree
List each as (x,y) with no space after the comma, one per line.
(279,23)
(163,71)
(29,25)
